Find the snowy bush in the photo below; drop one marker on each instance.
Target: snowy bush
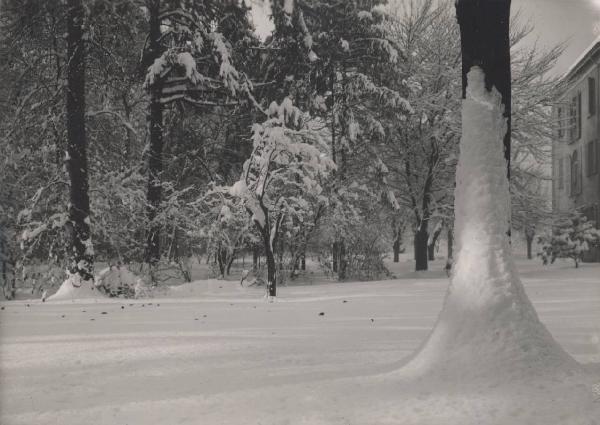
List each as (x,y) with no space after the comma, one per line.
(119,281)
(572,236)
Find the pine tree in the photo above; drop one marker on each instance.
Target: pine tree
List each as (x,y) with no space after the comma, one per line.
(572,236)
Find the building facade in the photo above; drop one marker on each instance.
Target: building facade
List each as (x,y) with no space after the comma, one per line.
(576,145)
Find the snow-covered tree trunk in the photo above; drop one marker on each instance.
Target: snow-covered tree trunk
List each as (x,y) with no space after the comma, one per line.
(81,252)
(487,327)
(155,124)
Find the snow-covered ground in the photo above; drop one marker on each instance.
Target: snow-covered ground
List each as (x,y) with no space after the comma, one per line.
(212,352)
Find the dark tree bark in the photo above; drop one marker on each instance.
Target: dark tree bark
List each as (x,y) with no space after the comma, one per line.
(229,264)
(334,257)
(529,235)
(255,255)
(81,253)
(155,123)
(396,251)
(397,229)
(485,42)
(342,261)
(271,265)
(221,257)
(421,238)
(450,244)
(431,246)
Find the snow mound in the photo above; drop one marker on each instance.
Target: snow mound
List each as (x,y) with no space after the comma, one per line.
(74,288)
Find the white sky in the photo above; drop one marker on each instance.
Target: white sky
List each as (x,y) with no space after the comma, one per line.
(555,21)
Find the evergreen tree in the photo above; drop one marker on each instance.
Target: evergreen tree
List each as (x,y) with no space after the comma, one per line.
(572,236)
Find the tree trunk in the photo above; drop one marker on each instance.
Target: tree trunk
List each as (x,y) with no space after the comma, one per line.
(334,257)
(271,265)
(529,247)
(221,258)
(229,264)
(486,313)
(155,123)
(431,246)
(485,42)
(81,252)
(303,261)
(397,243)
(396,251)
(450,241)
(421,238)
(342,261)
(255,257)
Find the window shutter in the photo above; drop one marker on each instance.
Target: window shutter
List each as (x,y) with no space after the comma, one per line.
(591,96)
(578,115)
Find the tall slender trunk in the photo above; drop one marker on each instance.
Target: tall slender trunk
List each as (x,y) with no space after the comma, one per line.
(529,235)
(450,244)
(155,123)
(255,255)
(396,248)
(397,241)
(431,245)
(335,257)
(81,251)
(485,42)
(271,265)
(342,269)
(421,239)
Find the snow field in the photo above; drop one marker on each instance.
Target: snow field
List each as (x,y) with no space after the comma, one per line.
(245,361)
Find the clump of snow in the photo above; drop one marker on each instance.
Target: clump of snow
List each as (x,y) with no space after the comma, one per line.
(345,45)
(288,6)
(74,288)
(488,326)
(186,60)
(379,10)
(363,15)
(227,71)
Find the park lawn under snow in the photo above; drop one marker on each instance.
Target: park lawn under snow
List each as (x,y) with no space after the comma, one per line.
(211,352)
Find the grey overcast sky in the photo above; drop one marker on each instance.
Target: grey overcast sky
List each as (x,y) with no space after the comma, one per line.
(555,21)
(574,21)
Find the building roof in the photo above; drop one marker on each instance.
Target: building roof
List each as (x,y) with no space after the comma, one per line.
(582,60)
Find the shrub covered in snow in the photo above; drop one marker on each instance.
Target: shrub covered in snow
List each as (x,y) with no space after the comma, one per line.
(119,281)
(572,236)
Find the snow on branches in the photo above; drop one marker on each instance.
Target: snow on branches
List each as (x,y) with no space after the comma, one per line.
(572,236)
(281,181)
(287,162)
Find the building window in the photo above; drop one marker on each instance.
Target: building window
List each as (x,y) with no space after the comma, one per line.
(561,173)
(575,118)
(575,174)
(592,96)
(591,158)
(561,128)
